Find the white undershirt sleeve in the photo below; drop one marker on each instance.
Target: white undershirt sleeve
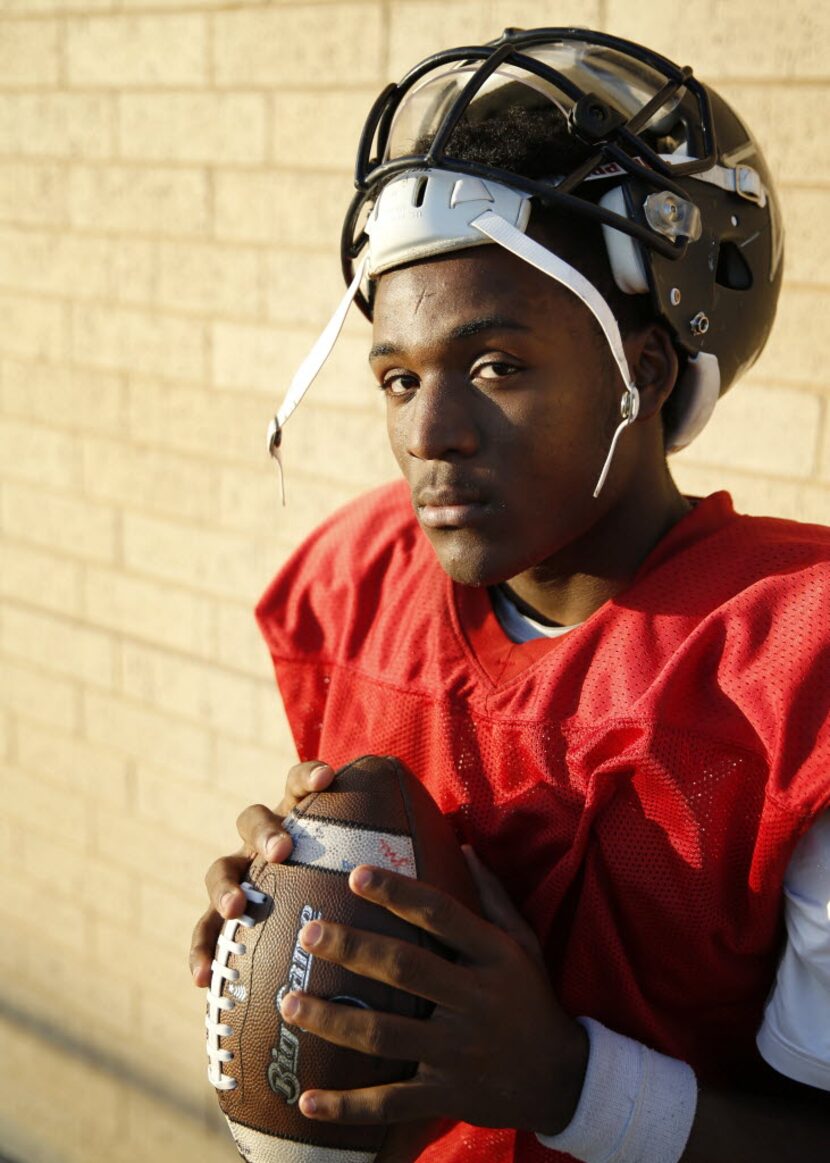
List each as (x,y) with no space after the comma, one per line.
(794,1037)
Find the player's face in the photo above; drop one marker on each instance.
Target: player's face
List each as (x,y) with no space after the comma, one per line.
(501,401)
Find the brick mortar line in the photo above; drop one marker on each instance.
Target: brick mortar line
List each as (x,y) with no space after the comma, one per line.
(226,168)
(165,309)
(74,683)
(62,53)
(753,379)
(193,459)
(207,595)
(368,89)
(264,683)
(24,607)
(162,582)
(151,877)
(72,677)
(276,541)
(209,784)
(197,524)
(74,230)
(143,307)
(252,395)
(273,250)
(206,725)
(717,81)
(120,1070)
(274,245)
(264,320)
(88,688)
(252,6)
(56,944)
(220,89)
(169,449)
(44,777)
(812,482)
(84,233)
(218,166)
(166,583)
(385,53)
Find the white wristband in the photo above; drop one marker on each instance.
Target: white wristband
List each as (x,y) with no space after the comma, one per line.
(636,1106)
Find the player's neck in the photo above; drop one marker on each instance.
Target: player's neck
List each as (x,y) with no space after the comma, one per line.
(573,584)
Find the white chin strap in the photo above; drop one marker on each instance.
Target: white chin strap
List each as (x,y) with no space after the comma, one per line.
(426,214)
(507,236)
(309,369)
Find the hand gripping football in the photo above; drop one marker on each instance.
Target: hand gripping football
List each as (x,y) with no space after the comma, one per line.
(376,812)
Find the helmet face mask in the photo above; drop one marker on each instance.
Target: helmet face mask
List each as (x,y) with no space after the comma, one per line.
(684,196)
(621,103)
(547,66)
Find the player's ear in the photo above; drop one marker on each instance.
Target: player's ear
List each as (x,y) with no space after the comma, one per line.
(654,366)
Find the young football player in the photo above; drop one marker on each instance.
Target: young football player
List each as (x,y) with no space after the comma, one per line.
(569,248)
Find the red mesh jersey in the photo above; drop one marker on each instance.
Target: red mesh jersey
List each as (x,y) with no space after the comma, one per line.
(638,785)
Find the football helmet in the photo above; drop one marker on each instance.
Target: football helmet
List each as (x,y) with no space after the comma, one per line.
(685,200)
(684,195)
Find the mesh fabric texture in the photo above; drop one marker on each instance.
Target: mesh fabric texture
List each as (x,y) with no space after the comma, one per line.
(637,785)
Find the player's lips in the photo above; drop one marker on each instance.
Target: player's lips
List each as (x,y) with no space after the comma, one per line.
(449,508)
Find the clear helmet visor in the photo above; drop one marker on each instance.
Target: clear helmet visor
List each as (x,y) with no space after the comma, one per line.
(567,70)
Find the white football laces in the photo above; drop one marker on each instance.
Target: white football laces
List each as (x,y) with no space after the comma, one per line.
(217,1000)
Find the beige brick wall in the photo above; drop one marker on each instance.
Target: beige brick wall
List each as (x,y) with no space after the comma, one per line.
(172,179)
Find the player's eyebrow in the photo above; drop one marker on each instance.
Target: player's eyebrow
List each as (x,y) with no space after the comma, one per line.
(463,331)
(487,323)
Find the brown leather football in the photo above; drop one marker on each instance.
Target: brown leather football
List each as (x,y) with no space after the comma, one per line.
(375,812)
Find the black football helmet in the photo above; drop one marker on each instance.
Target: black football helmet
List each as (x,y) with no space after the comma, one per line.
(679,185)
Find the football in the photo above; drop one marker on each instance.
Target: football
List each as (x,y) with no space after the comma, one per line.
(375,812)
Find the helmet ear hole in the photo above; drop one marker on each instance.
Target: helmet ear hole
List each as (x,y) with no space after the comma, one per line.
(733,271)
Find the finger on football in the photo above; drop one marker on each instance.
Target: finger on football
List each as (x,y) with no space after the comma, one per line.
(401,964)
(382,1035)
(497,905)
(303,779)
(263,834)
(223,880)
(397,1102)
(430,909)
(202,945)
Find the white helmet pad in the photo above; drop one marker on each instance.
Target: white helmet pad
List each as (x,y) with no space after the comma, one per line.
(427,213)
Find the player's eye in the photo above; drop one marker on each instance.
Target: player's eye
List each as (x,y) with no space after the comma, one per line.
(398,383)
(494,369)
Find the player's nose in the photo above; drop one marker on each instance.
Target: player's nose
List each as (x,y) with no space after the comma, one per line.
(440,421)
